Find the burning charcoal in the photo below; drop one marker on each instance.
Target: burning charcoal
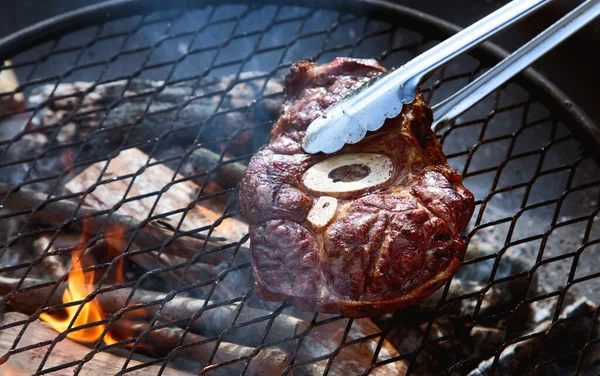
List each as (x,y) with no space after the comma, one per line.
(407,334)
(67,133)
(175,112)
(216,173)
(150,182)
(163,340)
(491,303)
(23,149)
(555,340)
(501,297)
(35,256)
(230,284)
(543,310)
(430,303)
(12,253)
(54,265)
(515,359)
(354,359)
(230,101)
(210,318)
(151,261)
(226,174)
(66,351)
(512,263)
(485,340)
(230,281)
(435,357)
(61,211)
(571,336)
(179,197)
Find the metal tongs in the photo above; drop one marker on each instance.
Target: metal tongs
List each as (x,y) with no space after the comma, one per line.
(348,121)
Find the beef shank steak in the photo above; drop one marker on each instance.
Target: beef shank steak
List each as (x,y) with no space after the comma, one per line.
(361,232)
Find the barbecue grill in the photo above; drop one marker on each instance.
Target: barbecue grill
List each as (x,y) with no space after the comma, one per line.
(124,136)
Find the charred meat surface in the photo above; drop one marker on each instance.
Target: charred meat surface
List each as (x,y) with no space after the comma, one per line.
(361,232)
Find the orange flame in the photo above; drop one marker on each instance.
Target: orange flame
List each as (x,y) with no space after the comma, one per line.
(11,371)
(80,285)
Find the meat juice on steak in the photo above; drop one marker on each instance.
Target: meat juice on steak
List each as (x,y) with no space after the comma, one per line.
(369,229)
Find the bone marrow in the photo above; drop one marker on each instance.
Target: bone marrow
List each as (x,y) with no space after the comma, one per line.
(348,174)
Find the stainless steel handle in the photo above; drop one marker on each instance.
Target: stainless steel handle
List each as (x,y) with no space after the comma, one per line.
(465,98)
(424,65)
(367,108)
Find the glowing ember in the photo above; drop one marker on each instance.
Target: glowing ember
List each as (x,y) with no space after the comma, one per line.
(81,284)
(10,371)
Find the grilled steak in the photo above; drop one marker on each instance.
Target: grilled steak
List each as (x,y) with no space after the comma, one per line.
(364,231)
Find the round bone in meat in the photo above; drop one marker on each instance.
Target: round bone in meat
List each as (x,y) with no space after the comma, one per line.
(349,174)
(322,212)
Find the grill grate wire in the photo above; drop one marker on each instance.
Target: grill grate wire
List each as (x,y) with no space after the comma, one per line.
(532,181)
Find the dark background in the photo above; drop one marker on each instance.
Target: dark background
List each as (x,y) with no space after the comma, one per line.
(573,66)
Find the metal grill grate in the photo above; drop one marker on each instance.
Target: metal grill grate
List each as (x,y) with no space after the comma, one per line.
(128,126)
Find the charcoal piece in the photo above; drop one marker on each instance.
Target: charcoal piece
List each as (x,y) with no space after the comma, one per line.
(66,351)
(554,340)
(210,109)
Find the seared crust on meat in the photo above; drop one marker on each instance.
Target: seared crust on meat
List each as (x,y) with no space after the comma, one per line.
(385,247)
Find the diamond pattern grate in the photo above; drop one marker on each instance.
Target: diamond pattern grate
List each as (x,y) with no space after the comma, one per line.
(175,84)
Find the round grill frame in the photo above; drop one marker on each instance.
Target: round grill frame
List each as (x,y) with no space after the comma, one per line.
(583,128)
